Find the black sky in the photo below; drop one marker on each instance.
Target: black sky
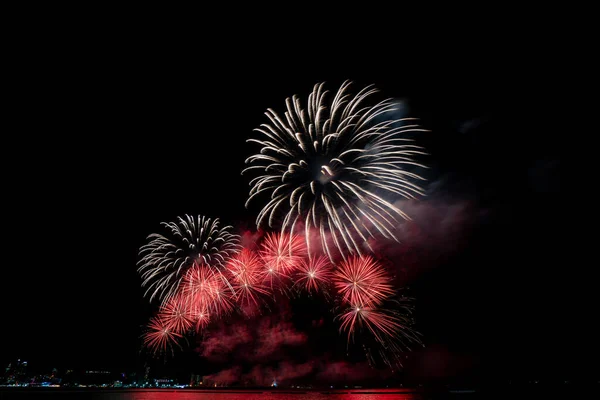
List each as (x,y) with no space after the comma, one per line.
(109,136)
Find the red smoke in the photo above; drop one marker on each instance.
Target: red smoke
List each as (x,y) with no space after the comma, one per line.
(272,335)
(224,340)
(338,371)
(258,340)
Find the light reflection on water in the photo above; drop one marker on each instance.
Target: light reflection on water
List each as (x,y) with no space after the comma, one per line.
(165,394)
(200,395)
(269,396)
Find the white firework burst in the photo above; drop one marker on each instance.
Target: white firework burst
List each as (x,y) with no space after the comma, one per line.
(335,168)
(186,242)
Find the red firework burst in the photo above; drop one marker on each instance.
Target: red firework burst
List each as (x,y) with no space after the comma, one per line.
(244,270)
(281,255)
(201,315)
(206,288)
(223,299)
(197,286)
(159,336)
(363,281)
(176,316)
(313,273)
(381,323)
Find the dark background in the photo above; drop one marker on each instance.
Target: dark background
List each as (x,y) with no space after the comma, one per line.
(110,132)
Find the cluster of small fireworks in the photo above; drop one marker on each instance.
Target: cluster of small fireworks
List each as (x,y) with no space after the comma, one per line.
(327,172)
(248,279)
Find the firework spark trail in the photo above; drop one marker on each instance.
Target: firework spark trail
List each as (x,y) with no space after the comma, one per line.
(391,327)
(223,299)
(208,289)
(379,323)
(362,281)
(166,257)
(201,314)
(176,315)
(335,160)
(159,337)
(197,285)
(244,270)
(281,254)
(313,273)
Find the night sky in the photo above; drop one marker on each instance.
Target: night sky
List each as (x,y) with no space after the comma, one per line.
(107,140)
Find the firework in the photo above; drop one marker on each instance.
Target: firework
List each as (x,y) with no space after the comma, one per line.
(366,301)
(223,299)
(175,315)
(390,325)
(201,314)
(159,337)
(244,270)
(167,257)
(281,254)
(207,289)
(378,322)
(335,167)
(362,281)
(313,273)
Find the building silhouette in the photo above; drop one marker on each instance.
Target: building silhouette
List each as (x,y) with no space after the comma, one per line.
(15,373)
